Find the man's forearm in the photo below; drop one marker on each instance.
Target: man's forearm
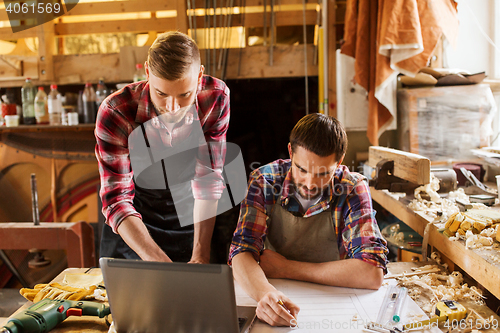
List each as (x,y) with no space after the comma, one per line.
(136,235)
(353,273)
(204,221)
(250,276)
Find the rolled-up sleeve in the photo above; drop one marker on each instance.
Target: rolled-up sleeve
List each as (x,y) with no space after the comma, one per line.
(208,183)
(112,153)
(361,235)
(251,230)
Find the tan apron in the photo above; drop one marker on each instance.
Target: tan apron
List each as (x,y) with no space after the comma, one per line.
(310,239)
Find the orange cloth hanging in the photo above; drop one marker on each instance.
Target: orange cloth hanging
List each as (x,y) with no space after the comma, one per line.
(388,37)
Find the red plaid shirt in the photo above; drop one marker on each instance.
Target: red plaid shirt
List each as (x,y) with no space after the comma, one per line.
(127,109)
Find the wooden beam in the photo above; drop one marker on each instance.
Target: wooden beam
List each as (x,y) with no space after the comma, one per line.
(331,109)
(288,62)
(139,25)
(411,167)
(90,67)
(7,34)
(253,3)
(182,18)
(46,46)
(116,7)
(253,20)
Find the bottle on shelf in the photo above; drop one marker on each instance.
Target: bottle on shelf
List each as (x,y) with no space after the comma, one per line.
(79,106)
(41,107)
(54,103)
(89,99)
(101,93)
(28,93)
(139,75)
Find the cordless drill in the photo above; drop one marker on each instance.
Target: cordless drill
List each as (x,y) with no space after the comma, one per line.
(43,316)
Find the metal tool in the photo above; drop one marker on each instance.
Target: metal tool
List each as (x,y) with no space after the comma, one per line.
(243,4)
(34,200)
(39,259)
(47,314)
(228,40)
(444,310)
(385,179)
(304,31)
(475,185)
(271,32)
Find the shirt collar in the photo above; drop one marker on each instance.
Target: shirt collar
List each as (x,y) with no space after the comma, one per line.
(145,108)
(342,183)
(288,189)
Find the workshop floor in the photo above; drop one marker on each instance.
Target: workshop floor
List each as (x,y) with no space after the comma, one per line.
(10,301)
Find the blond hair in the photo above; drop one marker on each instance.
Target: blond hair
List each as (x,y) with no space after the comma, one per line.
(172,54)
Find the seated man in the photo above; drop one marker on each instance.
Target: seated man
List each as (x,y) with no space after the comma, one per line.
(307,218)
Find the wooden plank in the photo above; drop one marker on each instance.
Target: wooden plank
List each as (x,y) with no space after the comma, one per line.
(26,66)
(7,34)
(129,57)
(472,262)
(90,67)
(182,18)
(139,25)
(253,20)
(332,61)
(288,62)
(114,7)
(411,167)
(254,64)
(46,45)
(47,128)
(254,3)
(398,209)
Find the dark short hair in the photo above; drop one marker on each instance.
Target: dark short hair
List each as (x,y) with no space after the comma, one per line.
(320,134)
(172,54)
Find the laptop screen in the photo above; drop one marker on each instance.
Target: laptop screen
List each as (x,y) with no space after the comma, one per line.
(170,297)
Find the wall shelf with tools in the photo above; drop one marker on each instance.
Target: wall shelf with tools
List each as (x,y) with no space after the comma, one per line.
(244,39)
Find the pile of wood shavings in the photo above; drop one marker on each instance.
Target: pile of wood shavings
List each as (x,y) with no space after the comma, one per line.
(441,209)
(484,240)
(437,208)
(441,287)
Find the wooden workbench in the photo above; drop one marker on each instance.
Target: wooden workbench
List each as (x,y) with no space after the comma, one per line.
(98,325)
(475,263)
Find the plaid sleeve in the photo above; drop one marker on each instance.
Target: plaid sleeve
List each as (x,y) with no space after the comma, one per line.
(361,235)
(112,153)
(251,230)
(208,182)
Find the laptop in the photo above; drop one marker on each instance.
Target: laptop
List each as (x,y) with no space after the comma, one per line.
(147,296)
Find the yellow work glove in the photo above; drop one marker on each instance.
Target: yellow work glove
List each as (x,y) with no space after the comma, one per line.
(56,291)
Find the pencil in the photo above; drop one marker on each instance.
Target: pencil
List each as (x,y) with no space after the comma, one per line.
(280,302)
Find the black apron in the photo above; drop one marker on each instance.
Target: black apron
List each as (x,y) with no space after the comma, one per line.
(156,206)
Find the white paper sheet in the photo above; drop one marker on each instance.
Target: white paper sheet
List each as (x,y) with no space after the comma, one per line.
(329,309)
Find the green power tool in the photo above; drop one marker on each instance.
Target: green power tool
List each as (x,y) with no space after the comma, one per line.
(43,316)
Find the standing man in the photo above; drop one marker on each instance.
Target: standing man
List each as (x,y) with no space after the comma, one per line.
(141,221)
(307,218)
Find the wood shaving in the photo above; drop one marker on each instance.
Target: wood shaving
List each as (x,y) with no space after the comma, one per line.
(441,287)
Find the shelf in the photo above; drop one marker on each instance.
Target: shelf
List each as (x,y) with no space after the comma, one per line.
(474,262)
(47,128)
